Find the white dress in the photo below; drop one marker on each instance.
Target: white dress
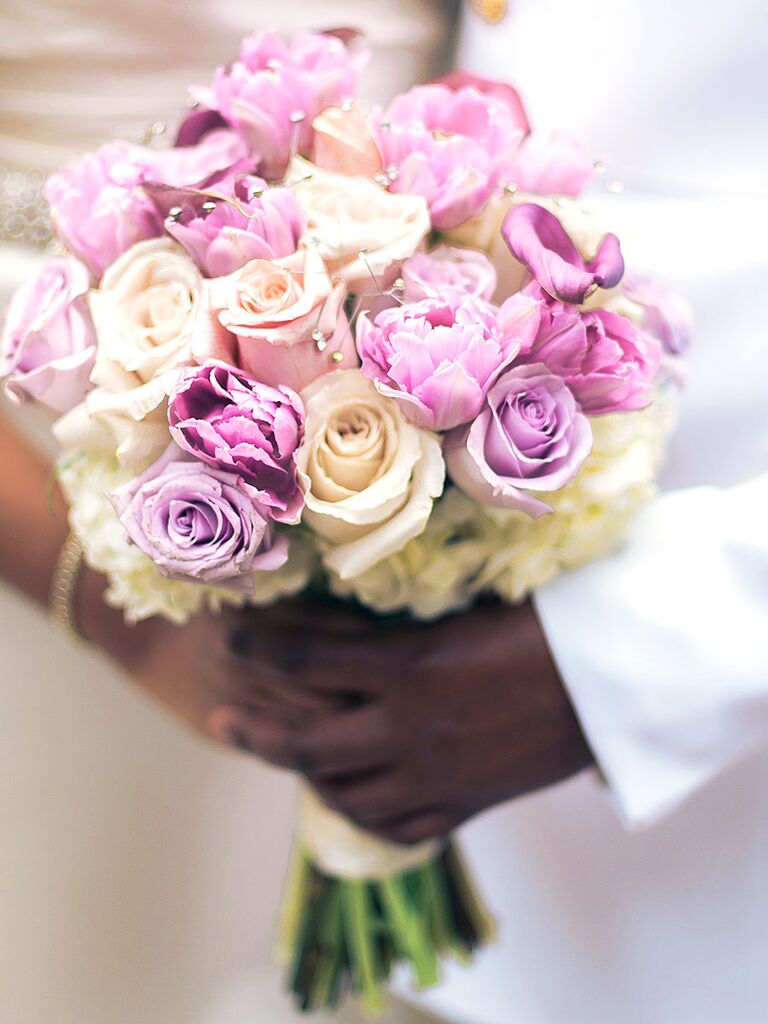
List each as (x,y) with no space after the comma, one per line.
(647,902)
(139,868)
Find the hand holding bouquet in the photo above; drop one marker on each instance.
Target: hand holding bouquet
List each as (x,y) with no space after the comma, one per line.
(387,354)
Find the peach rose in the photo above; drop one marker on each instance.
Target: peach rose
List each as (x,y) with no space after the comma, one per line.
(280,320)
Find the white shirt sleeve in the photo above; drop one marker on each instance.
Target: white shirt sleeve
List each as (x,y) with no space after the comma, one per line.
(664,647)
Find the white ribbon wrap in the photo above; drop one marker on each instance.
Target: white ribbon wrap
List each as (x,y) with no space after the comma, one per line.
(340,849)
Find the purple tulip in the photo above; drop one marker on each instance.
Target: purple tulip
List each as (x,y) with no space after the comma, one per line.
(438,357)
(447,270)
(538,240)
(49,341)
(231,421)
(222,234)
(530,437)
(271,94)
(452,148)
(199,523)
(608,364)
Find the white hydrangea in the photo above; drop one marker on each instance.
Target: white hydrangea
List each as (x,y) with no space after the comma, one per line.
(467,548)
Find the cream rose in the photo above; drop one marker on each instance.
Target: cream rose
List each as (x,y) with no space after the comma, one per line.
(484,232)
(144,312)
(352,215)
(280,320)
(369,477)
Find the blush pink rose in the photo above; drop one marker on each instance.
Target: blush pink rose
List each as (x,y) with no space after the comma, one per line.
(344,144)
(282,321)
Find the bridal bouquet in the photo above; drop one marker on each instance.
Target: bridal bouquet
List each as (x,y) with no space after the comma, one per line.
(386,353)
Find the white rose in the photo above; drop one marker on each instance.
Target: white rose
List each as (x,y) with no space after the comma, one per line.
(369,476)
(144,313)
(353,215)
(131,425)
(484,232)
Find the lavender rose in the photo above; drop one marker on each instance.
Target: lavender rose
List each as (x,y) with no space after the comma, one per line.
(530,437)
(49,342)
(229,420)
(446,270)
(222,234)
(198,523)
(606,361)
(438,357)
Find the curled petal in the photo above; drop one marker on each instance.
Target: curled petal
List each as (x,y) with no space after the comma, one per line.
(538,240)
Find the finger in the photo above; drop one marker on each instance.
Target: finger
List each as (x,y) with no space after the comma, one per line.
(265,735)
(374,799)
(340,742)
(435,823)
(324,664)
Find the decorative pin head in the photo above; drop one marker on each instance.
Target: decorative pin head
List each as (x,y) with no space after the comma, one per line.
(337,357)
(510,188)
(616,187)
(174,213)
(208,206)
(600,167)
(298,116)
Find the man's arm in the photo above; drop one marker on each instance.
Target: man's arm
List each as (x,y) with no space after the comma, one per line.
(664,647)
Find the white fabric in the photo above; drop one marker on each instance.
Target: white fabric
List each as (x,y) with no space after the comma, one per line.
(140,869)
(665,647)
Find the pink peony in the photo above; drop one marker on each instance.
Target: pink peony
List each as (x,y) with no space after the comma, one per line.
(438,357)
(453,148)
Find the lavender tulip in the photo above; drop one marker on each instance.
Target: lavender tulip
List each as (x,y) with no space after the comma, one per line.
(199,523)
(538,240)
(530,437)
(244,221)
(98,206)
(229,420)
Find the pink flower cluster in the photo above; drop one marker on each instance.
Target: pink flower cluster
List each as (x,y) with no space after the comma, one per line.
(284,238)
